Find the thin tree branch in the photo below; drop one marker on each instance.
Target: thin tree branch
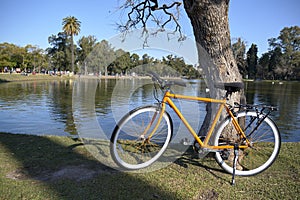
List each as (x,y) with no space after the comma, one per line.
(141,13)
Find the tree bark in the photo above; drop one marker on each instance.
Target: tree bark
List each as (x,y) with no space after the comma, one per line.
(209,19)
(72,53)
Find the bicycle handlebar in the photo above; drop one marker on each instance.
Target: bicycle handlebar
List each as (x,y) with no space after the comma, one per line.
(163,83)
(155,77)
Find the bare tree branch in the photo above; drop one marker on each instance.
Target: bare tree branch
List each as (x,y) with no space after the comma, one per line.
(141,15)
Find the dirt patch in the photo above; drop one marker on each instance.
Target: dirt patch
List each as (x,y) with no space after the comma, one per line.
(17,175)
(75,173)
(208,195)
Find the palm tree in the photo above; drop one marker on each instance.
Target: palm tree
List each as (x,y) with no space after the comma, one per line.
(71,26)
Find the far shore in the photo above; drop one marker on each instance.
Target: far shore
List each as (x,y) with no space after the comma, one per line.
(6,77)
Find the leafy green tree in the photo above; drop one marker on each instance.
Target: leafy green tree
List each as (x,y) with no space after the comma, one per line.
(146,59)
(36,58)
(296,62)
(59,53)
(264,61)
(101,57)
(252,61)
(86,45)
(18,57)
(176,63)
(123,62)
(179,65)
(239,51)
(28,58)
(12,56)
(288,42)
(71,26)
(135,60)
(6,52)
(276,64)
(191,72)
(289,39)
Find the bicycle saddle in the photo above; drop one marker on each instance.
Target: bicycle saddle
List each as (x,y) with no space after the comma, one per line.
(230,87)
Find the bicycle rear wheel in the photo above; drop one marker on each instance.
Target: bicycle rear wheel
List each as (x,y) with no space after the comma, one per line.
(265,144)
(130,146)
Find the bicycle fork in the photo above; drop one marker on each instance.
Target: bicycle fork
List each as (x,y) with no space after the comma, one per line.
(160,111)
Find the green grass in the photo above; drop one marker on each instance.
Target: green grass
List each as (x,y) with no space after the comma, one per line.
(51,167)
(19,77)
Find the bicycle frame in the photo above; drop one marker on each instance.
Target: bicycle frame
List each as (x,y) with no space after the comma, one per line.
(167,99)
(134,146)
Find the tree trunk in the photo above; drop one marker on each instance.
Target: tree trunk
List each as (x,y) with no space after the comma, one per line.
(209,19)
(72,53)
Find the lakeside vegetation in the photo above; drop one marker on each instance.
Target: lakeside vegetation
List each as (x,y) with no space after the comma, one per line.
(37,77)
(90,56)
(281,62)
(52,167)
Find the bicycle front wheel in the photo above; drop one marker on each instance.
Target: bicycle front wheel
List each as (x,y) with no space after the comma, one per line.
(265,144)
(130,147)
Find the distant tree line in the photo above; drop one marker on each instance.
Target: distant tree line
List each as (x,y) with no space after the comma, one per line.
(281,62)
(91,56)
(87,57)
(26,58)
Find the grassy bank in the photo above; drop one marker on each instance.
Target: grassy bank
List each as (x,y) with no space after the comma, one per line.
(30,77)
(50,167)
(39,77)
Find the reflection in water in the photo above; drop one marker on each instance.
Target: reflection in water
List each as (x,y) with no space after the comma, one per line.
(47,107)
(286,97)
(37,107)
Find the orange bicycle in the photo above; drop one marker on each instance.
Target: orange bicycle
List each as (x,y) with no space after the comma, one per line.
(245,143)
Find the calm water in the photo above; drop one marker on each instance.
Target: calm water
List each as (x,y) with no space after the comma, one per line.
(91,107)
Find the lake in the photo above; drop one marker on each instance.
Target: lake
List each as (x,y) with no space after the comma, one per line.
(91,107)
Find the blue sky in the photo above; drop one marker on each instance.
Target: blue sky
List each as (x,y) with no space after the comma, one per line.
(33,21)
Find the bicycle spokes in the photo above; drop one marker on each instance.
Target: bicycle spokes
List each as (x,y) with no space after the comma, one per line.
(132,147)
(263,147)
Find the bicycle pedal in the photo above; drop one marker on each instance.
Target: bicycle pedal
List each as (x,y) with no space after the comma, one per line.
(225,155)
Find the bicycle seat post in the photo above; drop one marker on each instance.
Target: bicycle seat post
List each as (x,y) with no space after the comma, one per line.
(228,93)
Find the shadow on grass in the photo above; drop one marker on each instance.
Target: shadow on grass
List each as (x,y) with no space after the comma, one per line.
(68,171)
(208,162)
